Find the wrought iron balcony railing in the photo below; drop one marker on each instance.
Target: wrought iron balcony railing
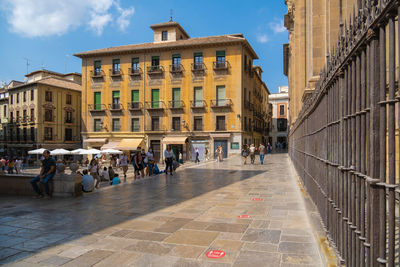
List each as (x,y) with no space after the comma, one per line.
(97,107)
(156,69)
(115,107)
(221,65)
(176,104)
(198,104)
(221,103)
(135,106)
(115,73)
(198,67)
(155,128)
(135,71)
(97,73)
(153,105)
(176,68)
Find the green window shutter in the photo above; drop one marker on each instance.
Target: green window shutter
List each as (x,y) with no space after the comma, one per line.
(155,98)
(220,53)
(97,64)
(115,94)
(198,96)
(135,60)
(176,55)
(135,95)
(176,94)
(97,100)
(221,96)
(198,54)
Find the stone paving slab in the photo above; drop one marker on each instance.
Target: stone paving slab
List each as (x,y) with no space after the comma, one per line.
(168,221)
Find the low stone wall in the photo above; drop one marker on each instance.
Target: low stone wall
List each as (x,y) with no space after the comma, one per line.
(62,185)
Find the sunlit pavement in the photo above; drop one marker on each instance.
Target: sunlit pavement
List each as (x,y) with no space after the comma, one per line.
(169,221)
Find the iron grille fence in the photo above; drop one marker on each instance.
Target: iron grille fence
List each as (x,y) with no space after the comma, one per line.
(343,143)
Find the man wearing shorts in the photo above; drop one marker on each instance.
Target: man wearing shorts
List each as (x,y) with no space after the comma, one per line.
(124,165)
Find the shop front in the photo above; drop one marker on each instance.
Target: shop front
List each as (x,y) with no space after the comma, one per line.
(178,145)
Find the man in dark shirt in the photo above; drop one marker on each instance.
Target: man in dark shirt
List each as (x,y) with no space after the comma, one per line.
(46,174)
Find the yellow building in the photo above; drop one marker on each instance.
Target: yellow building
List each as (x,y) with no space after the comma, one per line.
(187,92)
(44,112)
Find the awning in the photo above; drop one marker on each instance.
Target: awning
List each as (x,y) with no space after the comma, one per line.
(112,144)
(95,140)
(174,140)
(220,135)
(129,144)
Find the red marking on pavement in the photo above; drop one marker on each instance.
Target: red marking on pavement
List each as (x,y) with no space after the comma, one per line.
(243,216)
(257,199)
(215,254)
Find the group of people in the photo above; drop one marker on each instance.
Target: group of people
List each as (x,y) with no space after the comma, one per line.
(251,151)
(11,165)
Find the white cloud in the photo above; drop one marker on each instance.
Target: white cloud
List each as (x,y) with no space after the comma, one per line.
(36,18)
(277,27)
(262,38)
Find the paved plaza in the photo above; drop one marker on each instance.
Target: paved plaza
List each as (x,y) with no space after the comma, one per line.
(169,221)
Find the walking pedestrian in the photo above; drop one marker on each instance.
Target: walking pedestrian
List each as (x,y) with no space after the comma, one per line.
(245,153)
(261,149)
(219,153)
(17,165)
(138,165)
(124,164)
(252,153)
(94,172)
(150,162)
(46,174)
(206,154)
(11,165)
(169,157)
(196,151)
(269,148)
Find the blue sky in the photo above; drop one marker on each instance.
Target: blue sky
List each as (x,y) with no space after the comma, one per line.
(49,32)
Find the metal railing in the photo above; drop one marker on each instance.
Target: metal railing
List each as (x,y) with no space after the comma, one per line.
(115,107)
(220,65)
(97,107)
(156,69)
(221,103)
(198,104)
(135,106)
(97,73)
(343,144)
(155,105)
(155,128)
(198,67)
(176,104)
(176,68)
(135,71)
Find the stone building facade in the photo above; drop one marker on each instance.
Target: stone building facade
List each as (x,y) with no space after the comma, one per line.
(186,92)
(314,27)
(280,118)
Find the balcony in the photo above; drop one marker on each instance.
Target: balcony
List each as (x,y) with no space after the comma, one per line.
(155,105)
(176,104)
(154,70)
(221,65)
(97,107)
(219,128)
(97,73)
(115,107)
(115,73)
(198,104)
(25,120)
(155,128)
(69,120)
(135,71)
(32,120)
(176,68)
(248,105)
(198,68)
(135,106)
(221,103)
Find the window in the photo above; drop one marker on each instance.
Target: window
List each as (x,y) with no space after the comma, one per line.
(17,98)
(221,101)
(198,123)
(11,99)
(68,117)
(11,116)
(24,96)
(164,36)
(176,97)
(250,128)
(135,99)
(48,115)
(32,95)
(198,96)
(281,110)
(135,126)
(32,133)
(116,125)
(220,123)
(245,63)
(135,65)
(176,62)
(97,67)
(155,123)
(69,99)
(155,98)
(220,59)
(97,100)
(32,115)
(116,65)
(176,123)
(282,125)
(115,100)
(18,134)
(5,111)
(97,125)
(24,115)
(68,134)
(48,96)
(48,133)
(155,63)
(198,60)
(18,118)
(245,123)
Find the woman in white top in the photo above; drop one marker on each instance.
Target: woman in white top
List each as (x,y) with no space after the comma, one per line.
(94,171)
(105,175)
(149,160)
